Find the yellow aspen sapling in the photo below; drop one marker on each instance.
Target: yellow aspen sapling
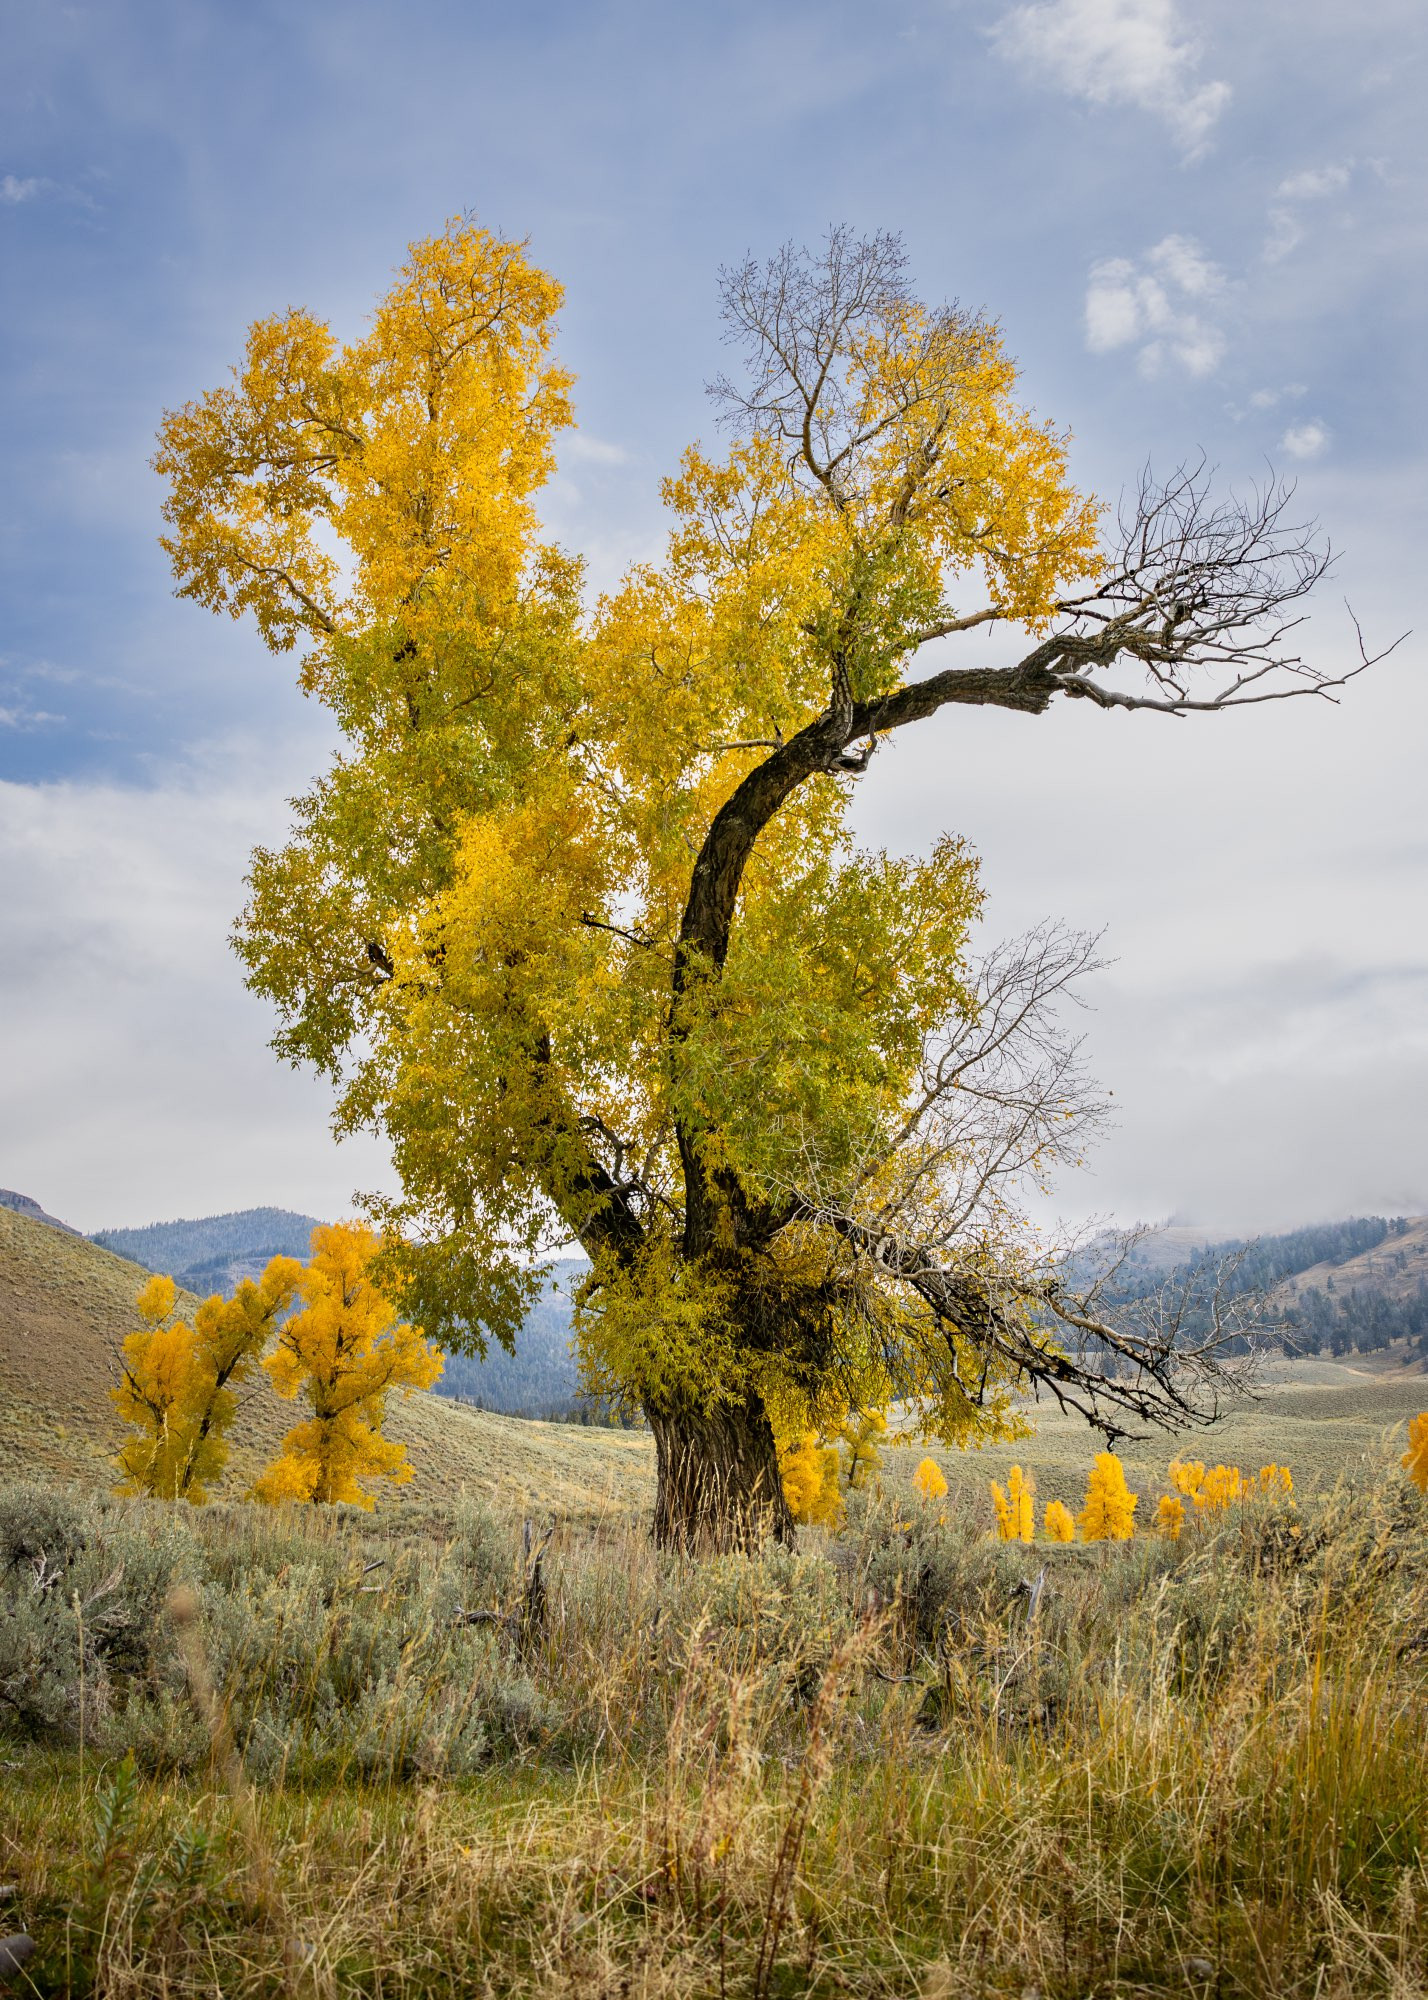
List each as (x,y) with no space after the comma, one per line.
(1170,1517)
(1187,1476)
(1276,1479)
(930,1480)
(343,1352)
(860,1434)
(809,1474)
(1060,1525)
(1016,1508)
(1223,1485)
(179,1381)
(1109,1512)
(1415,1459)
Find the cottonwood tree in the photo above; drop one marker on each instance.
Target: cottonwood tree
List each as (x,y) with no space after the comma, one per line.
(575,915)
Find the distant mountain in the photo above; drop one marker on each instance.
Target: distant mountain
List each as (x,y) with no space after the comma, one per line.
(539,1379)
(23,1205)
(213,1253)
(1360,1284)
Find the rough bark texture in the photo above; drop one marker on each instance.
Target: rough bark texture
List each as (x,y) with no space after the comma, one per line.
(719,1486)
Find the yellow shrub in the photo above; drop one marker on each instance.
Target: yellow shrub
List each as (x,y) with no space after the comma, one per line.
(1170,1516)
(1187,1476)
(1109,1512)
(1272,1476)
(1223,1485)
(1060,1527)
(1415,1459)
(1016,1508)
(809,1473)
(929,1480)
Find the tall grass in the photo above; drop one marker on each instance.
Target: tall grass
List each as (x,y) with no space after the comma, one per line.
(883,1765)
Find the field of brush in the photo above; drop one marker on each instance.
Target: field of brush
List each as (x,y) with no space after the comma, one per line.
(252,1753)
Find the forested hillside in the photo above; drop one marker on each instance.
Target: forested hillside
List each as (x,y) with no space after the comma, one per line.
(211,1253)
(539,1379)
(1358,1285)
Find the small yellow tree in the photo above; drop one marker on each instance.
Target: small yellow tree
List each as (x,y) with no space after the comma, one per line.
(344,1352)
(1109,1512)
(1415,1459)
(1170,1516)
(860,1434)
(1016,1508)
(809,1473)
(1060,1526)
(178,1382)
(930,1480)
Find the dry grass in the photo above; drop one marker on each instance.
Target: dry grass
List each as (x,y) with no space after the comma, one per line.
(1199,1769)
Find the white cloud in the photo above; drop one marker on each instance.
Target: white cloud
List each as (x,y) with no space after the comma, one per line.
(1162,304)
(1305,441)
(13,191)
(1118,52)
(1268,399)
(592,450)
(137,1082)
(1286,225)
(1314,183)
(26,718)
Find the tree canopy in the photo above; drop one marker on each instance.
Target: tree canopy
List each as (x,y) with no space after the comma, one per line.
(575,916)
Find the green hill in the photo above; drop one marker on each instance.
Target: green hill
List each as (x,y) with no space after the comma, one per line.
(66,1304)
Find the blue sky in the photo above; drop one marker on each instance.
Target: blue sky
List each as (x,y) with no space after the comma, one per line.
(1202,227)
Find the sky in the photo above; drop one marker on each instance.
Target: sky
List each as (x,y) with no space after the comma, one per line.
(1202,230)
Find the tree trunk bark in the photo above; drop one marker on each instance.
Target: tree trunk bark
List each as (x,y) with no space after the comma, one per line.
(719,1486)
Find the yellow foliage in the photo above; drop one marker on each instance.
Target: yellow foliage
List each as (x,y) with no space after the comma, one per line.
(1276,1478)
(343,1352)
(478,924)
(1187,1475)
(1170,1516)
(1109,1512)
(1415,1459)
(1060,1526)
(1016,1508)
(809,1472)
(1221,1487)
(930,1480)
(178,1382)
(860,1434)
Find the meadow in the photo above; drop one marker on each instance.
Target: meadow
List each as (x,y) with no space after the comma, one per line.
(255,1751)
(320,1752)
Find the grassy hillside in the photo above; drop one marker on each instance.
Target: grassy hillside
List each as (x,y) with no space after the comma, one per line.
(65,1306)
(1394,1267)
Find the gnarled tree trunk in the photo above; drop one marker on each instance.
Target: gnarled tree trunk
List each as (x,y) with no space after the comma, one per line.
(719,1486)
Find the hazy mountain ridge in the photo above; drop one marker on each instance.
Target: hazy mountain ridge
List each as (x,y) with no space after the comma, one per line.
(214,1253)
(23,1204)
(1358,1284)
(1361,1283)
